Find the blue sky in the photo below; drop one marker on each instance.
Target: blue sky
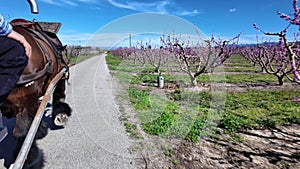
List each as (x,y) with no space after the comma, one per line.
(83,19)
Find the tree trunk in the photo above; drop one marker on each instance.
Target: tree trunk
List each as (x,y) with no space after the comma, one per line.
(156,69)
(280,80)
(193,81)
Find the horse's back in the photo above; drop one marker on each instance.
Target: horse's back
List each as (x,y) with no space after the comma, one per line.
(41,68)
(43,51)
(37,61)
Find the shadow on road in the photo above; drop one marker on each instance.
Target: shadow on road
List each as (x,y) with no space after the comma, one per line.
(7,146)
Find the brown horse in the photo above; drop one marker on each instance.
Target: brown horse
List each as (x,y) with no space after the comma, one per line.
(48,58)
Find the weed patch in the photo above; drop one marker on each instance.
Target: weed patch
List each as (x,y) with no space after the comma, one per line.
(191,115)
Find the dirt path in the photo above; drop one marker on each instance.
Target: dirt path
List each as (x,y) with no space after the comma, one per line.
(268,148)
(246,86)
(94,137)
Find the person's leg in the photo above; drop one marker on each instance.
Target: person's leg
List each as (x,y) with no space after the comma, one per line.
(12,63)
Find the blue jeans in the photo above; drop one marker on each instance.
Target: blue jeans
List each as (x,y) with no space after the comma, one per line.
(13,61)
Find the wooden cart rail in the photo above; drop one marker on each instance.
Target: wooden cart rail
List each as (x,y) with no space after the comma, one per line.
(36,122)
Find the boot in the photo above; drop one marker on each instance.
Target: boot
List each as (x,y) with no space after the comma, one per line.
(3,129)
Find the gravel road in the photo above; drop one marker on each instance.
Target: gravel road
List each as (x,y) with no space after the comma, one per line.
(94,137)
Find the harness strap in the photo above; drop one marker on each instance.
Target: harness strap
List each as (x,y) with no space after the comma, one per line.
(26,78)
(48,40)
(35,29)
(39,35)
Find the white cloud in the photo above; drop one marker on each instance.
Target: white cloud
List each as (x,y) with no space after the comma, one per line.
(70,3)
(59,3)
(188,13)
(232,10)
(163,6)
(142,7)
(51,2)
(119,5)
(156,6)
(88,1)
(67,2)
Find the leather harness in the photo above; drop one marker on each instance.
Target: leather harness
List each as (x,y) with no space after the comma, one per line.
(40,36)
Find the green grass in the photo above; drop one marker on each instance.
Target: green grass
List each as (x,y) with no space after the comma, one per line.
(246,64)
(130,128)
(237,58)
(206,78)
(238,78)
(257,109)
(239,63)
(190,118)
(191,115)
(124,77)
(140,99)
(151,78)
(113,61)
(160,125)
(240,69)
(156,118)
(196,130)
(168,150)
